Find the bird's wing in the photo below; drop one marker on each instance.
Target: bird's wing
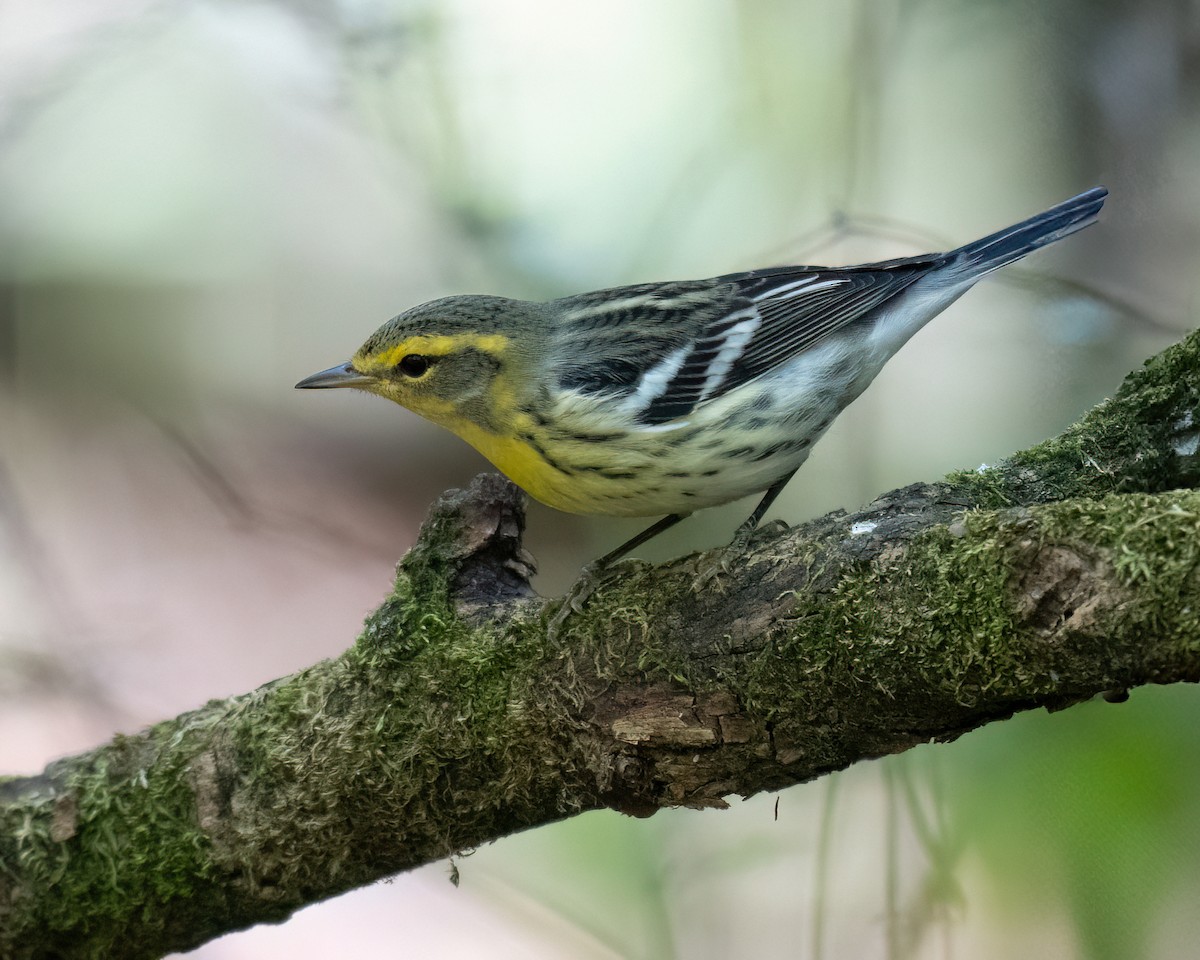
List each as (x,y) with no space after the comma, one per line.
(770,317)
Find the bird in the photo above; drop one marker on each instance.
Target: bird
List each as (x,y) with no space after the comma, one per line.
(661,399)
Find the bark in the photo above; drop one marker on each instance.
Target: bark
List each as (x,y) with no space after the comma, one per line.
(1067,571)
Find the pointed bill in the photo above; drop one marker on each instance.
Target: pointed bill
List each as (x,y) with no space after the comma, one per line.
(343,375)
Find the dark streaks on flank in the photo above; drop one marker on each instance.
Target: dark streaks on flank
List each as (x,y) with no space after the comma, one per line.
(771,451)
(784,446)
(588,437)
(603,471)
(537,448)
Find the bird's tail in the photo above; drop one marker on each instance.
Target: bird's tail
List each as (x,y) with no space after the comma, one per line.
(1012,243)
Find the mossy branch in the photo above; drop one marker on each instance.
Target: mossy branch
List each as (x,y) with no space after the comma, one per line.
(1067,571)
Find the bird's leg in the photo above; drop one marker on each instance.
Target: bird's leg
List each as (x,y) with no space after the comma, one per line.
(652,531)
(592,575)
(741,537)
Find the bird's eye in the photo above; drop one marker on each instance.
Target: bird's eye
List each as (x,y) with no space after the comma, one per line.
(413,365)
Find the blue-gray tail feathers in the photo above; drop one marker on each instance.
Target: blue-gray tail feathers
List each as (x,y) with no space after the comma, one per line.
(1012,243)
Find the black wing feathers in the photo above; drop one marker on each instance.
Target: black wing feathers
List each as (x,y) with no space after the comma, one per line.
(796,320)
(739,327)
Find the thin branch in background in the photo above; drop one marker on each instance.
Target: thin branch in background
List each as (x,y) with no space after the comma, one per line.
(942,851)
(222,491)
(843,226)
(8,334)
(19,531)
(1055,286)
(821,864)
(891,862)
(60,664)
(245,514)
(907,926)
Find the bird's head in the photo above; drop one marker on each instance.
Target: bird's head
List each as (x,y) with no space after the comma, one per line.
(448,360)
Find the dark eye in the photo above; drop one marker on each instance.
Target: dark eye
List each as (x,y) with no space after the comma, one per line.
(413,365)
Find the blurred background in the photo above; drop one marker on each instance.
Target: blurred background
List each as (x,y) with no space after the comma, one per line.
(202,202)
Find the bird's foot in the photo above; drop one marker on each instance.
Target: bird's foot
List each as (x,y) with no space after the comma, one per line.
(589,580)
(712,565)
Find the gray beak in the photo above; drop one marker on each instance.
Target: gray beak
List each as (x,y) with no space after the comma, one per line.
(343,375)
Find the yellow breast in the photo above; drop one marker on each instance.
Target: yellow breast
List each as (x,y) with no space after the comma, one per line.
(530,470)
(585,465)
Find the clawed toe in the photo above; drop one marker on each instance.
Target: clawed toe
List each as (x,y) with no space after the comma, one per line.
(709,567)
(584,586)
(713,565)
(576,598)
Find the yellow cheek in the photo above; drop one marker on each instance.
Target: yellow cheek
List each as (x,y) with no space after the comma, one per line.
(442,412)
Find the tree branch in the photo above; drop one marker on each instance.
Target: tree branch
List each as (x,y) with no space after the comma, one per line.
(1067,571)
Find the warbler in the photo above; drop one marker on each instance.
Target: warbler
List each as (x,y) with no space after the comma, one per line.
(665,398)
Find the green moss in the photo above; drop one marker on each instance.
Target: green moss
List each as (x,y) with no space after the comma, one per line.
(947,627)
(949,635)
(425,716)
(119,835)
(458,733)
(1143,439)
(1153,542)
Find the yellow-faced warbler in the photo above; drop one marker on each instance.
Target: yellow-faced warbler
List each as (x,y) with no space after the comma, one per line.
(664,398)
